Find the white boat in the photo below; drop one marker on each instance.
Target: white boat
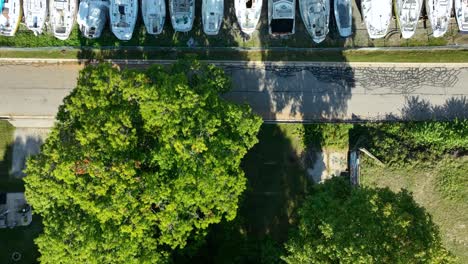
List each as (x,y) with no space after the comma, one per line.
(123,15)
(92,17)
(10,17)
(154,15)
(182,14)
(407,13)
(377,15)
(248,14)
(316,17)
(461,12)
(62,17)
(35,14)
(281,14)
(439,12)
(212,16)
(344,17)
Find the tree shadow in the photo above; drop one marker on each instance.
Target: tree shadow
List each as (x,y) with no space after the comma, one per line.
(418,109)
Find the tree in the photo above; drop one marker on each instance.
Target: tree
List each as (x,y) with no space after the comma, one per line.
(342,224)
(138,163)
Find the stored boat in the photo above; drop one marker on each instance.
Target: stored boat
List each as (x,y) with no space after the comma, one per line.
(10,17)
(344,17)
(461,12)
(316,17)
(248,13)
(182,14)
(35,13)
(407,12)
(92,17)
(439,12)
(123,15)
(62,17)
(212,16)
(154,15)
(377,15)
(281,14)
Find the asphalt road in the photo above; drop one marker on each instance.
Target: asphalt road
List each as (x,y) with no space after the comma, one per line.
(281,91)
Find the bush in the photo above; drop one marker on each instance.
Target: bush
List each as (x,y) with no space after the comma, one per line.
(333,136)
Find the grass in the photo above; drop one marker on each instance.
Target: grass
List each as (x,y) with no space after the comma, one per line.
(6,139)
(450,215)
(416,56)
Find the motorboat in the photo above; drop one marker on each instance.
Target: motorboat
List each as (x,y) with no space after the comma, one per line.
(377,15)
(212,16)
(182,14)
(123,15)
(439,12)
(461,12)
(62,17)
(10,17)
(92,17)
(344,17)
(248,14)
(316,17)
(281,17)
(407,13)
(154,15)
(35,14)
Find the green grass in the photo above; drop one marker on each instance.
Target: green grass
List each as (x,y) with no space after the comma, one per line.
(6,139)
(250,55)
(450,215)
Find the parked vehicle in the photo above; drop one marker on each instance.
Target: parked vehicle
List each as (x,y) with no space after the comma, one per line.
(439,12)
(344,17)
(10,17)
(92,17)
(182,14)
(123,15)
(316,17)
(408,12)
(62,17)
(154,15)
(461,13)
(212,16)
(35,14)
(377,15)
(248,14)
(281,17)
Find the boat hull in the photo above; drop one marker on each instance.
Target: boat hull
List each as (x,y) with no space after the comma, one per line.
(10,18)
(407,13)
(123,15)
(439,12)
(154,15)
(377,16)
(316,17)
(248,14)
(281,17)
(182,14)
(62,17)
(461,13)
(35,14)
(212,16)
(344,17)
(92,17)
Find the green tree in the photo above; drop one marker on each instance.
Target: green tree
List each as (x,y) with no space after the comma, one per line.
(138,163)
(342,224)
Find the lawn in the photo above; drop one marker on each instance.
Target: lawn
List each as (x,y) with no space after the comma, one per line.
(451,215)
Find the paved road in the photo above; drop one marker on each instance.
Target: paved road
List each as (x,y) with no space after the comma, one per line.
(281,91)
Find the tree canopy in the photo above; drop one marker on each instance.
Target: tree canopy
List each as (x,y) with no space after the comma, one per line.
(342,224)
(138,163)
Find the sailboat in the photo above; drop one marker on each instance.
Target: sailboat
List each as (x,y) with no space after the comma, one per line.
(154,15)
(123,15)
(407,12)
(281,17)
(316,17)
(377,15)
(344,17)
(461,12)
(182,14)
(439,12)
(35,14)
(62,17)
(10,17)
(248,14)
(92,17)
(212,16)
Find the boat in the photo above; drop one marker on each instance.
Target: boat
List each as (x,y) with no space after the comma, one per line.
(461,12)
(316,17)
(62,17)
(377,15)
(281,14)
(212,16)
(248,14)
(35,14)
(123,15)
(10,17)
(407,13)
(182,14)
(92,17)
(439,12)
(344,17)
(154,15)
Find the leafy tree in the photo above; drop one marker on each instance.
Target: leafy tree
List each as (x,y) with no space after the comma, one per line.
(138,163)
(342,224)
